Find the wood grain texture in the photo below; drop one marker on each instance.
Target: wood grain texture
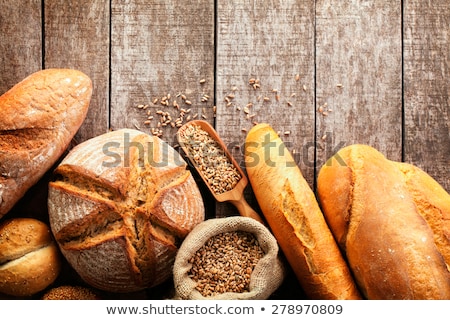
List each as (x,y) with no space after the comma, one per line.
(20,41)
(359,76)
(426,87)
(77,36)
(161,48)
(271,42)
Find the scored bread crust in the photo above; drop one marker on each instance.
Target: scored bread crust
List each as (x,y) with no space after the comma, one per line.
(39,117)
(432,203)
(119,207)
(389,246)
(293,214)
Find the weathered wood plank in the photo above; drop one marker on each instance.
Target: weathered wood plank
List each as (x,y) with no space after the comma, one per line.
(427,87)
(271,42)
(77,36)
(161,48)
(359,76)
(20,41)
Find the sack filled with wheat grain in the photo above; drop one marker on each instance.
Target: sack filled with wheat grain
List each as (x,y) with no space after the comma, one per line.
(232,258)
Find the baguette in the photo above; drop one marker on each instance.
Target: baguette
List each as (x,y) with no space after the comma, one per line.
(389,246)
(39,117)
(295,218)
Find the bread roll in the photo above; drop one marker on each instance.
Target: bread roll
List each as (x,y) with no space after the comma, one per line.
(119,207)
(29,258)
(293,214)
(39,117)
(372,213)
(68,292)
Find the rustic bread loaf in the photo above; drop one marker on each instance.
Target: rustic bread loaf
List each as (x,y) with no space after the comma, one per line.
(29,257)
(39,117)
(432,203)
(295,218)
(119,207)
(373,214)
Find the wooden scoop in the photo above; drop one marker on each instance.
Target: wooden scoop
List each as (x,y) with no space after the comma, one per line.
(236,195)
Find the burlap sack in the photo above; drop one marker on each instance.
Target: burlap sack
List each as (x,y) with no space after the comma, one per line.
(266,277)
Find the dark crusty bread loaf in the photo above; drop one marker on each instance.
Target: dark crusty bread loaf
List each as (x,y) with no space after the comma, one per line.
(119,207)
(295,218)
(39,117)
(375,218)
(29,257)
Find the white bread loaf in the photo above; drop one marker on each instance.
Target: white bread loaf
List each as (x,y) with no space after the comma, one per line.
(294,216)
(39,117)
(376,220)
(29,257)
(119,207)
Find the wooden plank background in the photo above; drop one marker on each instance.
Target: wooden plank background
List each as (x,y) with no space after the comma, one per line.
(427,87)
(391,59)
(333,72)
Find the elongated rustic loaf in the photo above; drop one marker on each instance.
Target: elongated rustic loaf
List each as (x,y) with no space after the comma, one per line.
(376,221)
(293,214)
(39,117)
(432,203)
(119,207)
